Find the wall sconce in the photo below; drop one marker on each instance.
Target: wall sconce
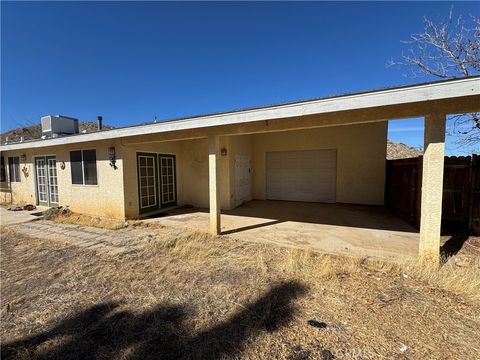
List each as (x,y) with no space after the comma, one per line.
(223,152)
(23,157)
(62,165)
(111,157)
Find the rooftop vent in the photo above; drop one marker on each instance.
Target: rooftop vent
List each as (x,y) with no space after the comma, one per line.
(59,125)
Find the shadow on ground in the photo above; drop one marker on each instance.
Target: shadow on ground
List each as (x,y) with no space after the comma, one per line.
(103,331)
(454,244)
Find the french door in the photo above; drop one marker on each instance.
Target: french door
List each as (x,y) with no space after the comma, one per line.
(157,186)
(46,180)
(167,180)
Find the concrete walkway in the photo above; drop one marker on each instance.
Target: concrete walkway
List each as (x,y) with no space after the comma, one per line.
(113,242)
(8,217)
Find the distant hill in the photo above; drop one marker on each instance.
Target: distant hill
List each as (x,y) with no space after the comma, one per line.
(35,131)
(401,151)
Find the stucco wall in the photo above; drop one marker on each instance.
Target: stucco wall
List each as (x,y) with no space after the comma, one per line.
(361,153)
(191,170)
(104,199)
(361,158)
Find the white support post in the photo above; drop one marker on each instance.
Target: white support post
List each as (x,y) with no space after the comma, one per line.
(213,158)
(432,189)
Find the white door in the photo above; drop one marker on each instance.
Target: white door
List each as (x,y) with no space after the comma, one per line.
(302,175)
(147,181)
(46,180)
(242,179)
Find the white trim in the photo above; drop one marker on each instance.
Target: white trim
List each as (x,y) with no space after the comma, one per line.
(394,96)
(56,179)
(173,159)
(154,158)
(41,158)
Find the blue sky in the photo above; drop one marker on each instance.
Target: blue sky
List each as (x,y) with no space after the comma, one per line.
(134,62)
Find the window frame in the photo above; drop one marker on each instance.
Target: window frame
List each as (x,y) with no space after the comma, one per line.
(3,170)
(83,167)
(16,167)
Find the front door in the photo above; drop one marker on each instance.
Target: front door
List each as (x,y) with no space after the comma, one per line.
(157,186)
(46,180)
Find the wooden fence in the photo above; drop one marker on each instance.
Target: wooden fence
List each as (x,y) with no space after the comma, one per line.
(461,190)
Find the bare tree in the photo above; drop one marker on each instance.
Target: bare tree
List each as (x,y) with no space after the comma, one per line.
(448,48)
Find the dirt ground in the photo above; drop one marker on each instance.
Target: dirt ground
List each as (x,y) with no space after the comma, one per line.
(189,295)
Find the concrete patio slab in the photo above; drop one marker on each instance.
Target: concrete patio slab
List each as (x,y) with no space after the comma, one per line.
(333,228)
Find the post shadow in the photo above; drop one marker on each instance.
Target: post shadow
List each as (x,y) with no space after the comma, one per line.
(159,333)
(453,245)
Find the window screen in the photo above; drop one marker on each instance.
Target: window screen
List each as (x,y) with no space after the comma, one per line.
(14,168)
(76,167)
(84,167)
(90,167)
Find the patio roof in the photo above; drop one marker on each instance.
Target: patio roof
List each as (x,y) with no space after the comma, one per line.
(454,89)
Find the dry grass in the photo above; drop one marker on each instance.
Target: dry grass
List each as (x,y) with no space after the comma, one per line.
(187,295)
(87,220)
(463,281)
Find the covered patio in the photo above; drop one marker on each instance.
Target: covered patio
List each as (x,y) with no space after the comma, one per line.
(334,228)
(324,153)
(332,150)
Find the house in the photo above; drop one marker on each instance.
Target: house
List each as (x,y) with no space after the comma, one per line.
(331,149)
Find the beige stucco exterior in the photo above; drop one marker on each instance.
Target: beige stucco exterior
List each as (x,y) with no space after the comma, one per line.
(360,170)
(104,199)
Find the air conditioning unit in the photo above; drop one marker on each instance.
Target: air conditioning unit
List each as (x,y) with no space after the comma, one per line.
(58,125)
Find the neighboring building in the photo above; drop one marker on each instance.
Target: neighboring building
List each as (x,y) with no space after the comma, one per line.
(325,150)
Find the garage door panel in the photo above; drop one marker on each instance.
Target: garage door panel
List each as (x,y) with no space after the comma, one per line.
(301,175)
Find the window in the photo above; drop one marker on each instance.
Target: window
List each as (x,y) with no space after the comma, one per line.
(14,168)
(3,174)
(84,167)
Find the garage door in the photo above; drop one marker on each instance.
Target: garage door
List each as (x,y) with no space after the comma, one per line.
(302,175)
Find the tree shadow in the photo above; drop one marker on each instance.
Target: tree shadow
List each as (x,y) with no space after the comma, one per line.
(159,333)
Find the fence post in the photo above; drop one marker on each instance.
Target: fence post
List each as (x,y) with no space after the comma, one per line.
(474,172)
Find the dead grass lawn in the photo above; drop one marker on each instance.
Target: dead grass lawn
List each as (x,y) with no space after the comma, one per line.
(193,296)
(87,220)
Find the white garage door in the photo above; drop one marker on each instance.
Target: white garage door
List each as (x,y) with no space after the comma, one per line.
(302,175)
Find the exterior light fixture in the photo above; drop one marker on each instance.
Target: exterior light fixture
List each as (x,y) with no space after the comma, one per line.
(23,157)
(62,165)
(223,152)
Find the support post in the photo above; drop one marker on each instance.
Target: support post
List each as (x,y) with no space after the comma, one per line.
(213,158)
(432,189)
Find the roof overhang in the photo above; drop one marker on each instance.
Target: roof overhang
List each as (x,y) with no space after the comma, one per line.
(447,96)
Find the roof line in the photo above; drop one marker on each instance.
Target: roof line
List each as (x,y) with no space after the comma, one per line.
(286,107)
(309,100)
